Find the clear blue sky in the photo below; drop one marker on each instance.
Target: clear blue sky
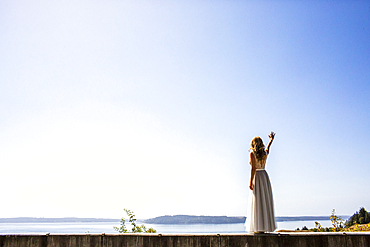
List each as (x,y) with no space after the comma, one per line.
(151,106)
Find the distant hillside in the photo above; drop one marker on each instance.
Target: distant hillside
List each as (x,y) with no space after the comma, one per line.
(191,219)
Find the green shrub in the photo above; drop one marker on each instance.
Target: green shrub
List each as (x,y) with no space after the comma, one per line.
(135,227)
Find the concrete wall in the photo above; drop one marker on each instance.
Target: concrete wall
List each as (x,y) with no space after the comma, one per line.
(189,240)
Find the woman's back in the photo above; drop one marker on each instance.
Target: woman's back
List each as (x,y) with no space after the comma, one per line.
(260,164)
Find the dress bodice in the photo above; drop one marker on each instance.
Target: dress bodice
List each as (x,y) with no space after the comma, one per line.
(260,164)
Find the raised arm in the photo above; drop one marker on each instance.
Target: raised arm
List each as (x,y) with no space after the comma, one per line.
(271,136)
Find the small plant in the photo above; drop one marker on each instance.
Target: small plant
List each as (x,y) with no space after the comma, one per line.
(337,221)
(135,227)
(318,227)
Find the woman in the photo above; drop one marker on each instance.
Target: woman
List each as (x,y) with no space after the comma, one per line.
(261,215)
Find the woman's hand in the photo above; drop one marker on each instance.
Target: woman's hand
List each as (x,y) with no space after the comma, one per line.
(251,186)
(272,135)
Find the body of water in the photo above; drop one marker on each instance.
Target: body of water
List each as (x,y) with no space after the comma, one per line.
(107,227)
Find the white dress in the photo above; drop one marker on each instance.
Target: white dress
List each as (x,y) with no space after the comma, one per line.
(261,216)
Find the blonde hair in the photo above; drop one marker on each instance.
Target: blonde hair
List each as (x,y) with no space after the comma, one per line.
(258,148)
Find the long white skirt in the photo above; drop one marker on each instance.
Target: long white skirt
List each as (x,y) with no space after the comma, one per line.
(261,216)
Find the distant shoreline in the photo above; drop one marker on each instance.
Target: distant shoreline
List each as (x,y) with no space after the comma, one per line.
(167,219)
(54,220)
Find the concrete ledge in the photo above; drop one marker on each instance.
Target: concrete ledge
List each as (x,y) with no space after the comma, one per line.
(189,240)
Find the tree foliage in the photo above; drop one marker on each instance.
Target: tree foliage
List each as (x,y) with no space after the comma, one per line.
(360,217)
(135,228)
